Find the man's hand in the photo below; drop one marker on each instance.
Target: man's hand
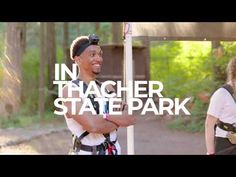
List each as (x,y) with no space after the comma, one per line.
(122,104)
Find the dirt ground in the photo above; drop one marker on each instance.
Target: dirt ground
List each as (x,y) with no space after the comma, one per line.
(151,137)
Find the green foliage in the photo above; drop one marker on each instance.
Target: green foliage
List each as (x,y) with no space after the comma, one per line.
(30,75)
(229,51)
(21,120)
(30,63)
(185,69)
(1,74)
(187,124)
(180,66)
(1,71)
(105,32)
(59,55)
(33,35)
(195,62)
(30,84)
(89,28)
(193,123)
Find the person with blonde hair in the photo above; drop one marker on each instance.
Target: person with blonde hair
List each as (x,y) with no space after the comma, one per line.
(220,124)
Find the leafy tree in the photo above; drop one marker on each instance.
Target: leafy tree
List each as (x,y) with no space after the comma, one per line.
(181,66)
(221,59)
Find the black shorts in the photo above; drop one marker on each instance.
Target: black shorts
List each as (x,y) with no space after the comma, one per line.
(224,147)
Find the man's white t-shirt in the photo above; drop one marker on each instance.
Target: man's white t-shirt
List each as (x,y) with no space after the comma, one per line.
(92,138)
(223,107)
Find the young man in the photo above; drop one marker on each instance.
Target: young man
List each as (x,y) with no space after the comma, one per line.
(92,134)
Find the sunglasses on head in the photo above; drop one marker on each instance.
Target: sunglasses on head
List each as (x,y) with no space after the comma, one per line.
(93,39)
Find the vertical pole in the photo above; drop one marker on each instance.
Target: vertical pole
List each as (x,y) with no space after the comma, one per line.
(128,76)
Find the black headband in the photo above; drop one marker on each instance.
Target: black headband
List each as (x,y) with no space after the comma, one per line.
(92,40)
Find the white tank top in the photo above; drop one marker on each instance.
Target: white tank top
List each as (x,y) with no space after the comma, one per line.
(92,138)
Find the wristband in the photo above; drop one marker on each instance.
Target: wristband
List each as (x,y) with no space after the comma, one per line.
(105,116)
(210,153)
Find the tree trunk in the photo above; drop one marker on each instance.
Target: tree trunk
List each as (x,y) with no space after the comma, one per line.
(146,44)
(51,57)
(66,47)
(78,29)
(12,78)
(65,40)
(97,28)
(216,53)
(116,33)
(24,37)
(51,52)
(41,100)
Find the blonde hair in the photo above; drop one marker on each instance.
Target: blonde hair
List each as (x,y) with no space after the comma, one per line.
(231,71)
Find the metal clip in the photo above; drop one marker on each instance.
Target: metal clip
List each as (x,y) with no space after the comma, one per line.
(231,137)
(234,125)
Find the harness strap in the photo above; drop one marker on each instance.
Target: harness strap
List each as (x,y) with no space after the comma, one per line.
(96,105)
(108,144)
(230,89)
(77,140)
(223,125)
(226,126)
(101,148)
